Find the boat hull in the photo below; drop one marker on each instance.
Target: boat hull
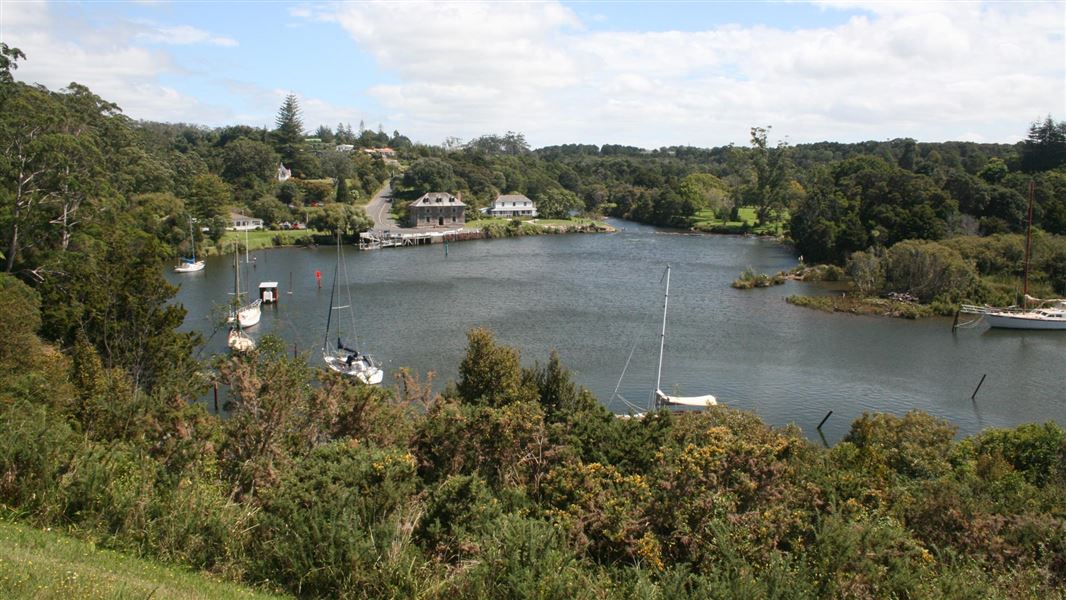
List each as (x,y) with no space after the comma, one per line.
(249,315)
(190,267)
(361,367)
(1025,321)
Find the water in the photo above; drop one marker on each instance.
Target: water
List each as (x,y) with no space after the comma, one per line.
(593,298)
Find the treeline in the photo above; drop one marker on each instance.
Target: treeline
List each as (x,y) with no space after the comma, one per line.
(72,163)
(512,483)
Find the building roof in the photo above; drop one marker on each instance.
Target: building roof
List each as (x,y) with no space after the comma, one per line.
(437,199)
(239,217)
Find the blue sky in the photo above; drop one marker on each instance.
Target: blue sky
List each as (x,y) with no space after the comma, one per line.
(648,74)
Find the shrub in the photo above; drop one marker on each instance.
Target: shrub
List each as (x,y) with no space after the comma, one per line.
(928,270)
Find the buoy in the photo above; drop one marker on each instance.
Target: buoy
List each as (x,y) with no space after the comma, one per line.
(318,278)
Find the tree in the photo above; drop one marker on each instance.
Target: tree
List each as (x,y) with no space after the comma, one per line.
(28,122)
(336,217)
(929,271)
(490,373)
(248,164)
(430,175)
(289,141)
(557,203)
(1045,148)
(323,133)
(208,196)
(111,290)
(768,191)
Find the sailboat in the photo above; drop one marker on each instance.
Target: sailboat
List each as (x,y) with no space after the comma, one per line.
(248,314)
(1046,315)
(190,265)
(238,340)
(341,357)
(661,398)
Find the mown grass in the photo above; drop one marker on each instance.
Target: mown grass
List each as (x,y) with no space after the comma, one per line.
(257,240)
(705,220)
(45,564)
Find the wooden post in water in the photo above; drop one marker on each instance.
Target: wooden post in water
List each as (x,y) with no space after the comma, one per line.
(955,325)
(824,419)
(974,394)
(216,397)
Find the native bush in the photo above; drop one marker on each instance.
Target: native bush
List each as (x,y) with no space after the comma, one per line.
(916,445)
(335,524)
(503,445)
(457,513)
(928,270)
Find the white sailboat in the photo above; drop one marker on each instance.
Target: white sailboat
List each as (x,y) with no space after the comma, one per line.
(190,265)
(1044,314)
(245,315)
(661,398)
(238,340)
(341,357)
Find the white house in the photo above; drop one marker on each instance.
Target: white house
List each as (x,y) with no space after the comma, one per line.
(283,173)
(345,147)
(241,222)
(512,205)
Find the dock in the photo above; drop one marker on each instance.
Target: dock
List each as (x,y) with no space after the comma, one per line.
(374,240)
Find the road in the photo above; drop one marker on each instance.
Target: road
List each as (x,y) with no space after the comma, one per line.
(378,209)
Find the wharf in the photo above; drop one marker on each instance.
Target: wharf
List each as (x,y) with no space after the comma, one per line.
(373,240)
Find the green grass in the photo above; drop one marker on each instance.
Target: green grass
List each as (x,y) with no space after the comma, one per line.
(706,220)
(258,240)
(43,564)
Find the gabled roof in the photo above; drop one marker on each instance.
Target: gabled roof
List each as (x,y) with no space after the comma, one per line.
(239,217)
(431,199)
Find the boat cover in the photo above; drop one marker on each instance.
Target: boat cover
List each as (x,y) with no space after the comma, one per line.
(700,401)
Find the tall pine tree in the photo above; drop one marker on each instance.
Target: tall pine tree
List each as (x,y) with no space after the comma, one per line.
(289,141)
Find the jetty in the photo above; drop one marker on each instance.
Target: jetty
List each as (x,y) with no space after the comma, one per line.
(374,240)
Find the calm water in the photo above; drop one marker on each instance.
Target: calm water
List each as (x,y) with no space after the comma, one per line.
(596,297)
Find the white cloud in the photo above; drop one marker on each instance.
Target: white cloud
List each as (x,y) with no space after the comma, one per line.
(185,35)
(928,70)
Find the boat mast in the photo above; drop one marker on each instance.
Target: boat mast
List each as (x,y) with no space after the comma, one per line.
(192,240)
(662,337)
(1028,247)
(332,291)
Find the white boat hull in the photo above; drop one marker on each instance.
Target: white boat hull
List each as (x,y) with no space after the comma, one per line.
(361,367)
(249,315)
(189,267)
(1025,320)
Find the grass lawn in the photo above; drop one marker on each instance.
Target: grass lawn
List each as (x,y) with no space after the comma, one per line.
(264,239)
(45,564)
(706,220)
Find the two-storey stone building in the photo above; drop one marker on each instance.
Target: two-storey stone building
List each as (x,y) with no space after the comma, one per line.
(437,209)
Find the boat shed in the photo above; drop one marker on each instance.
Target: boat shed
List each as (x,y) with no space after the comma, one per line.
(268,292)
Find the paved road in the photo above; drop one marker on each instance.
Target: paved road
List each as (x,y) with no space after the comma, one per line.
(378,209)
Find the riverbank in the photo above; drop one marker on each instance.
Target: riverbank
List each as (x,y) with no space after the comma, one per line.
(260,239)
(880,307)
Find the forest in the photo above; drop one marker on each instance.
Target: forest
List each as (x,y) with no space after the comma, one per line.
(511,481)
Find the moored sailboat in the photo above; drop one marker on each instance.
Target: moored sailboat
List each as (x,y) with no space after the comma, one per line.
(190,264)
(1034,312)
(660,397)
(342,357)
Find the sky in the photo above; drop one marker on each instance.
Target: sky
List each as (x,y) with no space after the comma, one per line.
(638,73)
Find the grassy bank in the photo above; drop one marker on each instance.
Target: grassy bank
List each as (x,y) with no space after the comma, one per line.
(257,240)
(858,305)
(707,222)
(498,228)
(44,564)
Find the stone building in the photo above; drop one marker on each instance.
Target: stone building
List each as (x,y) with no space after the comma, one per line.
(437,209)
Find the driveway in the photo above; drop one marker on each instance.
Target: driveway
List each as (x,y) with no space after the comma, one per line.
(378,209)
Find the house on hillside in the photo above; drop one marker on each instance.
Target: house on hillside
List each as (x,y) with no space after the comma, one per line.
(239,222)
(511,205)
(345,147)
(437,209)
